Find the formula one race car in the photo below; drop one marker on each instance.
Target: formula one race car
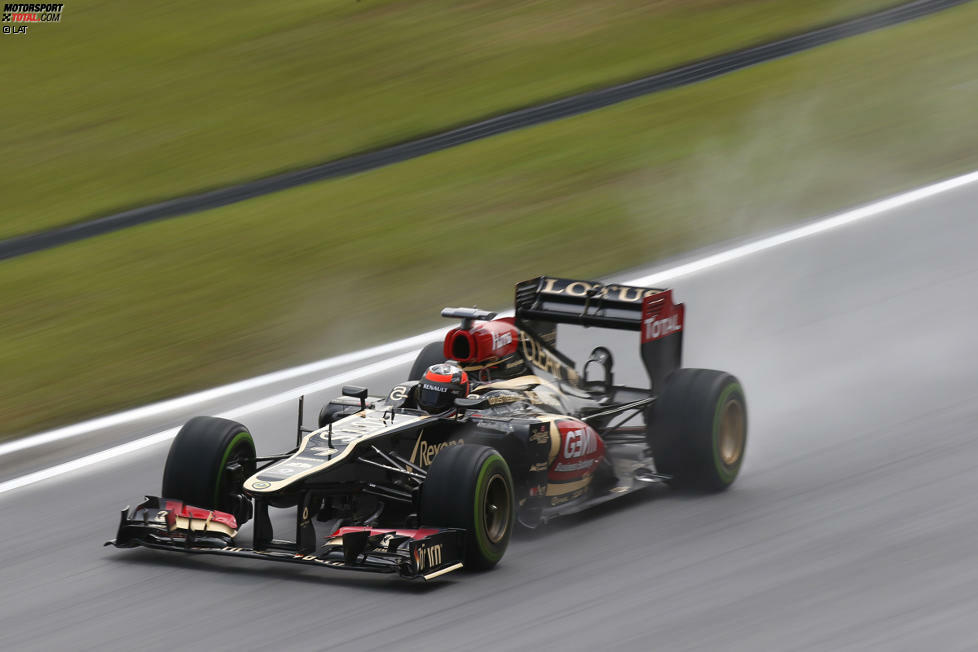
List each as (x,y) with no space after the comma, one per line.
(494,427)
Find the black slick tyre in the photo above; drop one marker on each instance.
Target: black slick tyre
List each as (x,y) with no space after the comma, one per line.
(208,462)
(433,353)
(470,487)
(699,432)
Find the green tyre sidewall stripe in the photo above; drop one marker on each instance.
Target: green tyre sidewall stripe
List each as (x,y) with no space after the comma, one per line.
(238,438)
(726,474)
(481,537)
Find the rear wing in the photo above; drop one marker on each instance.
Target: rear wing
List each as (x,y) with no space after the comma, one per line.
(585,303)
(651,311)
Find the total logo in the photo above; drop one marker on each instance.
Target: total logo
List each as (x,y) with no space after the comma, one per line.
(657,328)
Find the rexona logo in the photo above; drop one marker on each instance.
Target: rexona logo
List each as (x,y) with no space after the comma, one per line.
(424,452)
(659,328)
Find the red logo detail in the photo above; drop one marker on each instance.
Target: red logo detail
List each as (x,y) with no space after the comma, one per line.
(487,340)
(661,317)
(581,450)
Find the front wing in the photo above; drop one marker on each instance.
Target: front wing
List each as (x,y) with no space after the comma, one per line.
(165,524)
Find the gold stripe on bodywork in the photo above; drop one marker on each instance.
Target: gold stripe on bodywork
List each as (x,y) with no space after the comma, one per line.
(417,443)
(520,382)
(554,440)
(567,487)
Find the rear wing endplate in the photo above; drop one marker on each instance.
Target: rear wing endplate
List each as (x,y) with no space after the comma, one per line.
(662,337)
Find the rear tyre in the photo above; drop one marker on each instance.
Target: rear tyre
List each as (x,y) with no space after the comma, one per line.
(470,487)
(699,431)
(433,353)
(209,460)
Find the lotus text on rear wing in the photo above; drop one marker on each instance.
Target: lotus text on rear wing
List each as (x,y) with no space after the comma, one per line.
(596,290)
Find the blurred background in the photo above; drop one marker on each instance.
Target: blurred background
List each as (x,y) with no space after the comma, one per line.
(852,524)
(122,104)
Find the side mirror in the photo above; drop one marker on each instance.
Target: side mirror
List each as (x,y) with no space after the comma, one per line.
(599,362)
(470,403)
(354,391)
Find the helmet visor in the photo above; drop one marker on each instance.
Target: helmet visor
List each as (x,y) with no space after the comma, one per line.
(435,398)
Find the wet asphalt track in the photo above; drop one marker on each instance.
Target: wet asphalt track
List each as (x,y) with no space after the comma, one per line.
(854,523)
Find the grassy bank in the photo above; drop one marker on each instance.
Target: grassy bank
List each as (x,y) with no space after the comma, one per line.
(167,308)
(123,103)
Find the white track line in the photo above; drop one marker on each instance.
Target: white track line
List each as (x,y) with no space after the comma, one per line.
(165,436)
(199,398)
(815,228)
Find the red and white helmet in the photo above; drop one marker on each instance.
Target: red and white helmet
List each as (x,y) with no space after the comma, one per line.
(440,386)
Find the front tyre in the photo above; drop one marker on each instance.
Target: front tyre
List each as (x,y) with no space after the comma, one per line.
(699,432)
(209,460)
(470,487)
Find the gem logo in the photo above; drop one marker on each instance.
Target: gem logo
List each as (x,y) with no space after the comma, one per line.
(580,442)
(580,453)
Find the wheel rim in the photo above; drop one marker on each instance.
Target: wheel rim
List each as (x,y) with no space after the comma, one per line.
(732,433)
(237,454)
(497,508)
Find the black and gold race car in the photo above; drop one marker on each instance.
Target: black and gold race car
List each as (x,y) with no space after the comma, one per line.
(414,484)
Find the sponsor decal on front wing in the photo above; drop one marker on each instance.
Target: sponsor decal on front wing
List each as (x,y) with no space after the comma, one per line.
(427,556)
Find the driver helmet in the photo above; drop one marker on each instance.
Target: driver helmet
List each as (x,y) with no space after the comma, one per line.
(440,386)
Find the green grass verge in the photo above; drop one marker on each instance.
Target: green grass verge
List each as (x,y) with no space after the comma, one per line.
(124,103)
(171,307)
